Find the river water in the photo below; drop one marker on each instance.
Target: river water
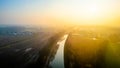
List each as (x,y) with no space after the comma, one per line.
(58,61)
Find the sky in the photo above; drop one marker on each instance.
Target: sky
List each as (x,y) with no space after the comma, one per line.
(60,12)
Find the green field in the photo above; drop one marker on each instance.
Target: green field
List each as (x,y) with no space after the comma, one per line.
(86,49)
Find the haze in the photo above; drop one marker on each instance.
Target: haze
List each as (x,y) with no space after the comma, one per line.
(55,12)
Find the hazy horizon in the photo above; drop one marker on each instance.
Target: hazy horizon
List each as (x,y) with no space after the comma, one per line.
(64,12)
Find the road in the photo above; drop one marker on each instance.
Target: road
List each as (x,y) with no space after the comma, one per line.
(84,50)
(28,53)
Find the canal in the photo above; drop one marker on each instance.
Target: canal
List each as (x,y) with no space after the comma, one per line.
(58,61)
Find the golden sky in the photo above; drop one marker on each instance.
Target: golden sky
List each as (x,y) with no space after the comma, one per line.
(55,12)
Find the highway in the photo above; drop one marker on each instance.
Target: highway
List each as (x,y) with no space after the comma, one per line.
(79,49)
(27,53)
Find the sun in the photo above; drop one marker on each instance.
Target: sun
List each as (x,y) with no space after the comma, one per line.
(93,9)
(83,13)
(89,14)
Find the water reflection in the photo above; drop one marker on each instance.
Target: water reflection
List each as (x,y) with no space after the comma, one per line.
(73,51)
(58,61)
(51,56)
(83,52)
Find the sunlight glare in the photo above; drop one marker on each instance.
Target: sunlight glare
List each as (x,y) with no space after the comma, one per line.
(93,9)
